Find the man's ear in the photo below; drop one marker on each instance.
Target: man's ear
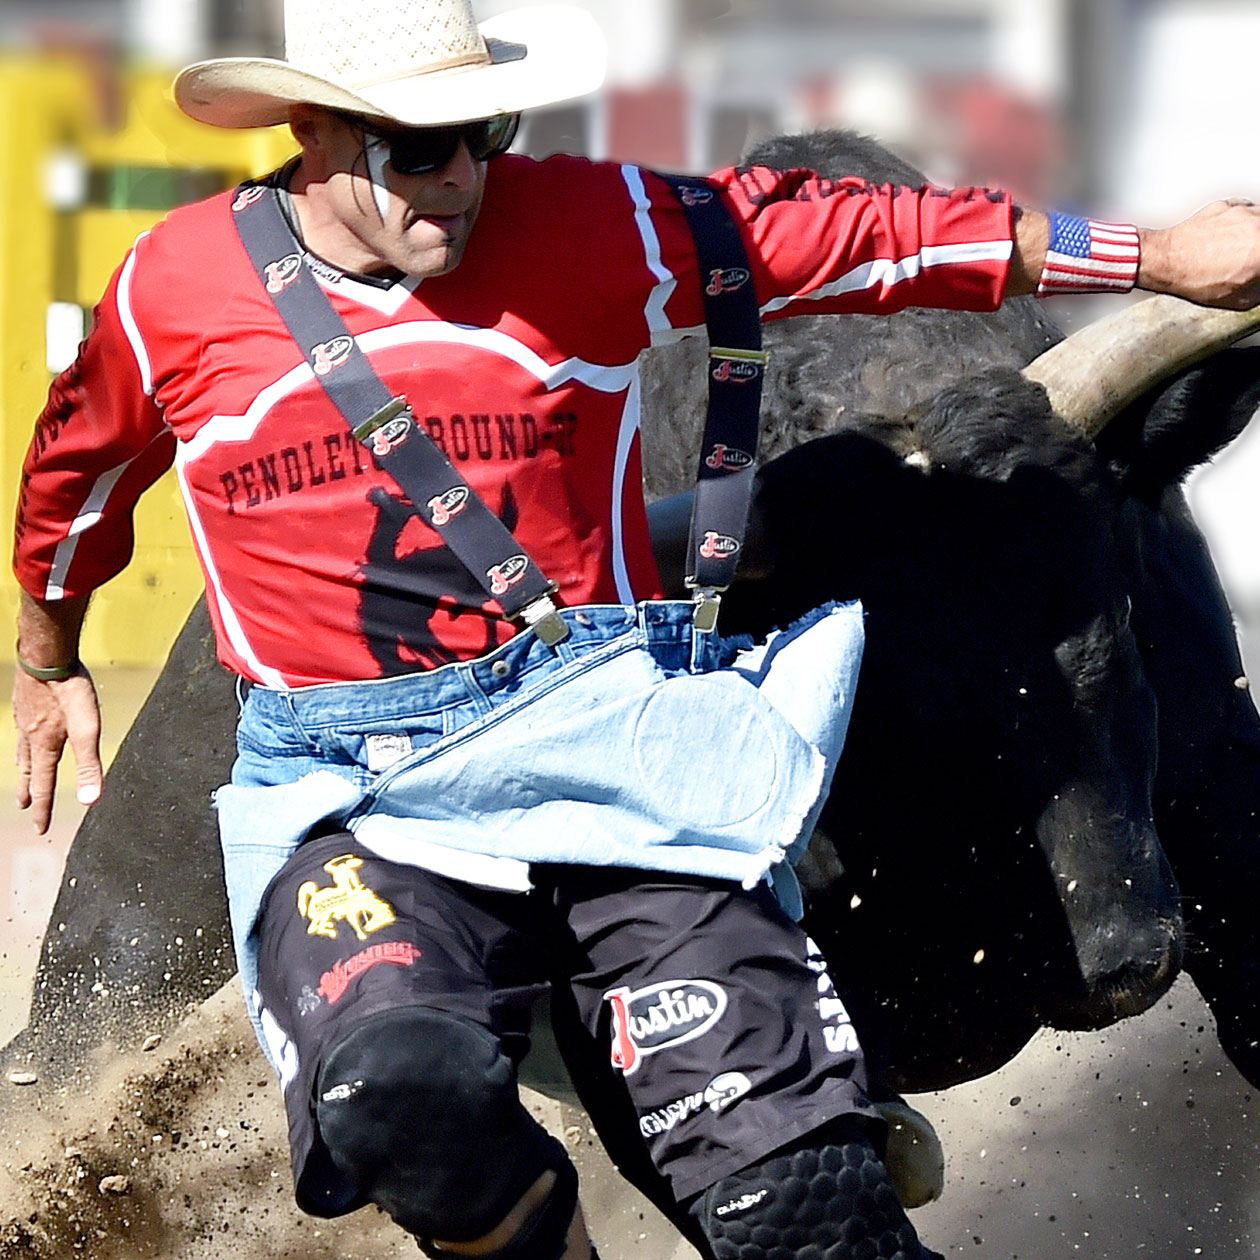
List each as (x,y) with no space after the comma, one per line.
(305,121)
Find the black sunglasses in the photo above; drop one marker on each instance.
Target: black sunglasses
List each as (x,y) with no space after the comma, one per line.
(421,150)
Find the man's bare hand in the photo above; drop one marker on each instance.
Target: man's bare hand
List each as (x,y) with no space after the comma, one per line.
(49,715)
(1212,258)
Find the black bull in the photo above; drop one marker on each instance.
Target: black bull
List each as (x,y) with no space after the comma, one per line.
(1047,729)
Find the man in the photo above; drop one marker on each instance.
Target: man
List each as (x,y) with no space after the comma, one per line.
(424,827)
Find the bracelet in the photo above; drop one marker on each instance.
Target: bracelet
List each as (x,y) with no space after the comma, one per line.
(1088,256)
(48,673)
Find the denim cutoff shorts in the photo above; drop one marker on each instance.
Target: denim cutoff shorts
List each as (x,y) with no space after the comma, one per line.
(637,742)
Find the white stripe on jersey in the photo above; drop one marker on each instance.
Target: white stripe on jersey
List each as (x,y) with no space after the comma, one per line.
(89,514)
(887,272)
(626,432)
(607,379)
(654,310)
(231,623)
(130,327)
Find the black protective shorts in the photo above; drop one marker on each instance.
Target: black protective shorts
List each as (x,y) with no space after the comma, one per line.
(698,1022)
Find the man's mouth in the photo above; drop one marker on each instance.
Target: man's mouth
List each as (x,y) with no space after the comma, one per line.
(448,223)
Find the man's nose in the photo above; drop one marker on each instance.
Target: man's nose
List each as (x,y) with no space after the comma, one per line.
(461,170)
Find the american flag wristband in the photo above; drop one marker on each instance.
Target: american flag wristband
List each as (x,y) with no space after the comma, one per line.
(1086,256)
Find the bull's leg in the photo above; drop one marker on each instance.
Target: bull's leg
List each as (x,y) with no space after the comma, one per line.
(1211,837)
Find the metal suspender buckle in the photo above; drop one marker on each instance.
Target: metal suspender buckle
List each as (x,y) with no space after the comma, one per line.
(704,612)
(543,618)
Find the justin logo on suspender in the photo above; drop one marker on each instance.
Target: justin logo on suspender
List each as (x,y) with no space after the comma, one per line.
(737,370)
(282,272)
(727,280)
(447,504)
(696,196)
(723,458)
(716,545)
(247,196)
(391,434)
(506,574)
(331,354)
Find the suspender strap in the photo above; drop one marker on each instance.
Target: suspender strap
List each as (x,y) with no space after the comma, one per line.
(385,423)
(719,517)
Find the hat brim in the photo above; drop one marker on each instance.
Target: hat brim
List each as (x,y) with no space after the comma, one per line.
(538,57)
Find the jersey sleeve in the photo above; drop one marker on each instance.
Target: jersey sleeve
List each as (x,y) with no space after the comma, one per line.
(99,443)
(821,246)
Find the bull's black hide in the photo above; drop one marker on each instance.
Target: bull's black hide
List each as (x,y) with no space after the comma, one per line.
(1048,695)
(1001,811)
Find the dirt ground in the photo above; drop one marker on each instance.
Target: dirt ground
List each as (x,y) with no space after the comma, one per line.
(179,1154)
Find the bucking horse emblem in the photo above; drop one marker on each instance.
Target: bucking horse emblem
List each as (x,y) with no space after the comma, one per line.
(348,900)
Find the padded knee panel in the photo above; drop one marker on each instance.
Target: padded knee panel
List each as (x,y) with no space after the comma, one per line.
(827,1197)
(420,1110)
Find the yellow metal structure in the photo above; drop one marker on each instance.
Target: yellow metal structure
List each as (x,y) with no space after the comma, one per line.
(54,249)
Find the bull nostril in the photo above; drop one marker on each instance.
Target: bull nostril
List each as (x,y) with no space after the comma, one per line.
(1125,971)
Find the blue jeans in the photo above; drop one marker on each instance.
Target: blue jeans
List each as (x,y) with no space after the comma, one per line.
(637,742)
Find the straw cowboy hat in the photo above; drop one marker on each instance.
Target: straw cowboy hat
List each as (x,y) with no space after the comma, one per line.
(414,62)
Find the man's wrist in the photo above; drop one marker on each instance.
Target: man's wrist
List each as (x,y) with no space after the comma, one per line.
(1157,273)
(1090,256)
(48,637)
(48,673)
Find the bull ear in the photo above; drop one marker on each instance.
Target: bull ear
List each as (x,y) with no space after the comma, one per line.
(1102,368)
(1157,440)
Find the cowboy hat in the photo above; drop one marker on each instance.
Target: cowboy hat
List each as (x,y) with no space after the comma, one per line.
(413,62)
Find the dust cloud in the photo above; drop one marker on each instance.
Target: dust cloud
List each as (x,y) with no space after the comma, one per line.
(179,1153)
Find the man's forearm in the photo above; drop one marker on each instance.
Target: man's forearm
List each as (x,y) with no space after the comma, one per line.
(48,630)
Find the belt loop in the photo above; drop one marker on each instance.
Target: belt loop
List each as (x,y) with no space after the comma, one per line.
(703,647)
(699,641)
(640,619)
(286,698)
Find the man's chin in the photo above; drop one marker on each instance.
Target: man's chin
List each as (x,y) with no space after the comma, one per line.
(426,252)
(424,264)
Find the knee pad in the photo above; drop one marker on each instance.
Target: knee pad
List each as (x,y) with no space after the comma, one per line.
(827,1196)
(420,1111)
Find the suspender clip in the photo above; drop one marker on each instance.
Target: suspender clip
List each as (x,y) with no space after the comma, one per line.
(704,613)
(543,618)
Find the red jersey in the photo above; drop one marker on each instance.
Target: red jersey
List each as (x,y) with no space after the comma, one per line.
(520,364)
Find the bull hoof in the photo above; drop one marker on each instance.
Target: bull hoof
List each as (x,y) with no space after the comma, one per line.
(915,1158)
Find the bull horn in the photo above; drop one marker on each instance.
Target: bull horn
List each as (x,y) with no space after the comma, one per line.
(1096,372)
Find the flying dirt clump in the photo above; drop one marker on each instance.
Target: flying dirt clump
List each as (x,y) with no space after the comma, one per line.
(171,1155)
